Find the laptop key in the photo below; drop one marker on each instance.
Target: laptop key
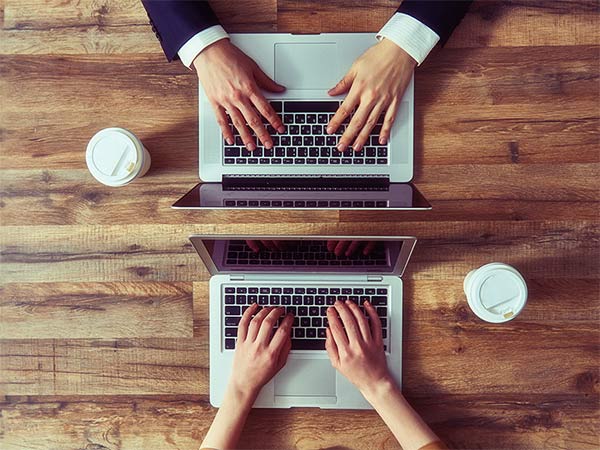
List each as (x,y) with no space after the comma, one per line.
(229,299)
(311,333)
(307,344)
(229,344)
(232,311)
(230,332)
(232,321)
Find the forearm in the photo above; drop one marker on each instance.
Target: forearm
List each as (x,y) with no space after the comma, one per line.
(406,425)
(227,425)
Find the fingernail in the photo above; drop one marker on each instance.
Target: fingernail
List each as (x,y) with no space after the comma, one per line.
(229,141)
(367,302)
(281,129)
(268,144)
(250,146)
(329,130)
(341,147)
(382,141)
(348,302)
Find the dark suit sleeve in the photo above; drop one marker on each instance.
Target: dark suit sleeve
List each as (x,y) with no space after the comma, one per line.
(174,22)
(441,16)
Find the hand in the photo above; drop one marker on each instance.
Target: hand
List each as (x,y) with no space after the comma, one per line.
(376,82)
(259,352)
(257,246)
(349,248)
(356,351)
(232,82)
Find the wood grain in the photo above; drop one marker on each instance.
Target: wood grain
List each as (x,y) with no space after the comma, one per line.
(104,304)
(163,252)
(95,310)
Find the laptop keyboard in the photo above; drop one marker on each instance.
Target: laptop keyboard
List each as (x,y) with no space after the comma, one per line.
(305,140)
(301,253)
(308,304)
(306,203)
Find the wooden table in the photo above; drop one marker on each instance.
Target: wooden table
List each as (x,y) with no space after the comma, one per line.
(103,305)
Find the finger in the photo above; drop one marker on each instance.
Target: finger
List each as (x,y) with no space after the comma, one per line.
(343,85)
(283,354)
(255,122)
(283,333)
(369,247)
(341,247)
(375,322)
(266,327)
(240,124)
(224,124)
(267,111)
(331,348)
(254,246)
(269,245)
(356,125)
(345,110)
(364,134)
(361,320)
(244,321)
(331,245)
(335,325)
(348,320)
(266,82)
(255,324)
(354,246)
(388,121)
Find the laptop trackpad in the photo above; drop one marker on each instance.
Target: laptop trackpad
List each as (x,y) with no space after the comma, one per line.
(306,66)
(306,377)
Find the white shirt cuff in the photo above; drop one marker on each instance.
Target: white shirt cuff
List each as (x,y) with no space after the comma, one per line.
(412,36)
(192,48)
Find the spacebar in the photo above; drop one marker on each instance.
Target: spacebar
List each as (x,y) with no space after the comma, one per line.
(311,107)
(308,344)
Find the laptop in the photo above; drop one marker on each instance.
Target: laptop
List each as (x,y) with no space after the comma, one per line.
(303,275)
(304,169)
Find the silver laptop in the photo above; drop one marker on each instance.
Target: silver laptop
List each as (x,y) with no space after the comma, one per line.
(304,169)
(304,276)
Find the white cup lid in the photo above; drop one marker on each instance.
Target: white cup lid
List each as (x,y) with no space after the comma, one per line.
(113,156)
(497,293)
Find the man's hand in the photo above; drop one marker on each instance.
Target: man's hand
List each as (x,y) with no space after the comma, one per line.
(355,349)
(232,82)
(375,85)
(260,353)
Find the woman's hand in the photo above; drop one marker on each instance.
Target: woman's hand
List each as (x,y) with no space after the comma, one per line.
(354,347)
(375,85)
(232,82)
(349,248)
(260,353)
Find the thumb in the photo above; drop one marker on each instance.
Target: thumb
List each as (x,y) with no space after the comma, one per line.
(263,80)
(343,86)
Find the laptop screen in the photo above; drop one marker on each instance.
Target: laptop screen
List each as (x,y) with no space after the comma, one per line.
(308,254)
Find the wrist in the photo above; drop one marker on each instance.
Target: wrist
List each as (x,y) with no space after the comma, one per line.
(243,394)
(399,52)
(211,51)
(380,390)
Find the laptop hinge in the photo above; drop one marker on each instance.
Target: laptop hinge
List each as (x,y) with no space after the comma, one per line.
(305,183)
(374,278)
(236,277)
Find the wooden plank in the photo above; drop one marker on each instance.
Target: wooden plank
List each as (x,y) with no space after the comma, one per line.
(449,356)
(468,110)
(114,27)
(180,422)
(442,337)
(103,366)
(95,310)
(69,197)
(526,24)
(558,249)
(487,24)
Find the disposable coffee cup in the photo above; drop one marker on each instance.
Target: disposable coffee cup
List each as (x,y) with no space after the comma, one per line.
(115,157)
(495,292)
